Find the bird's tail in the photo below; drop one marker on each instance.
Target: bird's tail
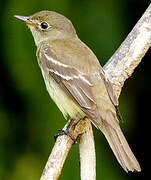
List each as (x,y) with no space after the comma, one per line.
(119,145)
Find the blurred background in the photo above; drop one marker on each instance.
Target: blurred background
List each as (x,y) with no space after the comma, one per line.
(28,117)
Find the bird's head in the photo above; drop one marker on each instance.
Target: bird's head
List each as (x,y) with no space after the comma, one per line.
(46,25)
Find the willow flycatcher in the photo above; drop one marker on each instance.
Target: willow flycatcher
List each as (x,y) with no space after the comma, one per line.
(76,81)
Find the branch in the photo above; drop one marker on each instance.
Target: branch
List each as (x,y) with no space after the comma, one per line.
(60,150)
(127,57)
(87,153)
(120,66)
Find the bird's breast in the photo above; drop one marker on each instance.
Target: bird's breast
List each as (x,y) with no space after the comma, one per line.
(62,100)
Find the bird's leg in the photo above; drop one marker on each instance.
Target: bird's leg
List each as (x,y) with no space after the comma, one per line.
(65,131)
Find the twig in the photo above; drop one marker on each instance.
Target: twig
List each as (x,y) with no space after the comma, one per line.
(87,153)
(117,69)
(60,151)
(127,57)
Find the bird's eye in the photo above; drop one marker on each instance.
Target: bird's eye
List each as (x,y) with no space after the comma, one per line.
(44,25)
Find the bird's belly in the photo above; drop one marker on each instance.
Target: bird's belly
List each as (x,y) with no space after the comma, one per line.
(64,103)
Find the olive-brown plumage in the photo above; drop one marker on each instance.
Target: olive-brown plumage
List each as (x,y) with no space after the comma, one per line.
(76,81)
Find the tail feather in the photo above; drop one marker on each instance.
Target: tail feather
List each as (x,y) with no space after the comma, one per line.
(119,145)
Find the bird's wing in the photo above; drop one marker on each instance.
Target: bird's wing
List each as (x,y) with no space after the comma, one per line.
(74,82)
(76,54)
(111,94)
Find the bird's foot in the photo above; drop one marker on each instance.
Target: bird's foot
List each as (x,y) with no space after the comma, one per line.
(65,131)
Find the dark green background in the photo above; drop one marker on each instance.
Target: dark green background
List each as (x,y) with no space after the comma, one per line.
(29,119)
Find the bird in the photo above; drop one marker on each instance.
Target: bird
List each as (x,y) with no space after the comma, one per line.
(76,81)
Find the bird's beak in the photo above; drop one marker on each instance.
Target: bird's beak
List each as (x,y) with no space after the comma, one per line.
(25,19)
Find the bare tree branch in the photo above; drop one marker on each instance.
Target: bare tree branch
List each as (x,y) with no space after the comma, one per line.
(120,66)
(127,57)
(60,150)
(87,153)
